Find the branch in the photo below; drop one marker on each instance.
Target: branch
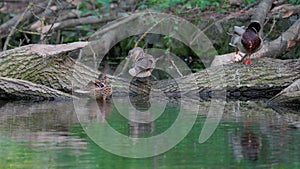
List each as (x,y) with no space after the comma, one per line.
(48,65)
(76,22)
(22,89)
(290,96)
(265,78)
(12,31)
(261,12)
(285,10)
(4,28)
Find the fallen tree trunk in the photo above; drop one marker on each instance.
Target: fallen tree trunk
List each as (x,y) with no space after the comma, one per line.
(51,66)
(264,79)
(47,65)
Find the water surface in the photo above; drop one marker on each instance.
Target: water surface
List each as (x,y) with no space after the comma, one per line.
(53,135)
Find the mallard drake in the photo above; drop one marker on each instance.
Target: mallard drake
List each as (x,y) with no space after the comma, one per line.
(143,63)
(98,88)
(247,41)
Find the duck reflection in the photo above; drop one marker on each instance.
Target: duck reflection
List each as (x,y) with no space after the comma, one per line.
(245,143)
(140,119)
(250,143)
(99,110)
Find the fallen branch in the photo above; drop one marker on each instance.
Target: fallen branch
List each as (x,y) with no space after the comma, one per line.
(290,96)
(48,65)
(5,28)
(264,79)
(285,10)
(22,89)
(261,12)
(76,22)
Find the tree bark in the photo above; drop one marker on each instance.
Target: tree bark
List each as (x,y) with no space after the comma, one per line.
(264,79)
(47,65)
(23,90)
(51,66)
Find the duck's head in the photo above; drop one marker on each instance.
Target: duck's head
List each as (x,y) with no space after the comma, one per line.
(135,53)
(250,38)
(143,66)
(99,84)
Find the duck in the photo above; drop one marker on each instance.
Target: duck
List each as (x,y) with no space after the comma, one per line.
(247,40)
(100,88)
(144,63)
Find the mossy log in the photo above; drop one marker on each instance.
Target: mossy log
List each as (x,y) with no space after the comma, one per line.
(52,66)
(17,89)
(48,65)
(264,79)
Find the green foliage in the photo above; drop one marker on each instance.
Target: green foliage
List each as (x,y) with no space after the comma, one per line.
(202,4)
(70,36)
(294,1)
(94,7)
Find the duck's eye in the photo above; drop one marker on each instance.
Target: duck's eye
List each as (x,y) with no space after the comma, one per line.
(101,85)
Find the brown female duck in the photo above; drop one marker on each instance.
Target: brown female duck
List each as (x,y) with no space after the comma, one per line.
(98,88)
(144,63)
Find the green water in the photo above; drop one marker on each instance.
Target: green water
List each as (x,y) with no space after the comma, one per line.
(54,135)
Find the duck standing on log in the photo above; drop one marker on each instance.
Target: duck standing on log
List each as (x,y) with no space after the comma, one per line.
(246,41)
(143,63)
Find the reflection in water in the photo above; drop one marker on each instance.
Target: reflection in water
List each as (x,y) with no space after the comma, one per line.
(48,135)
(250,143)
(140,119)
(98,110)
(245,143)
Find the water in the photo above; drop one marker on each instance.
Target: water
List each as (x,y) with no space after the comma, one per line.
(53,135)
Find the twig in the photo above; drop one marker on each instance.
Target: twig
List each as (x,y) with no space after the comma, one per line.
(145,33)
(221,20)
(5,27)
(177,70)
(271,29)
(250,5)
(13,30)
(94,57)
(28,32)
(42,38)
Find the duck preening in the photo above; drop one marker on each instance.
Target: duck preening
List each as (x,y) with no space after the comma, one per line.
(246,41)
(143,63)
